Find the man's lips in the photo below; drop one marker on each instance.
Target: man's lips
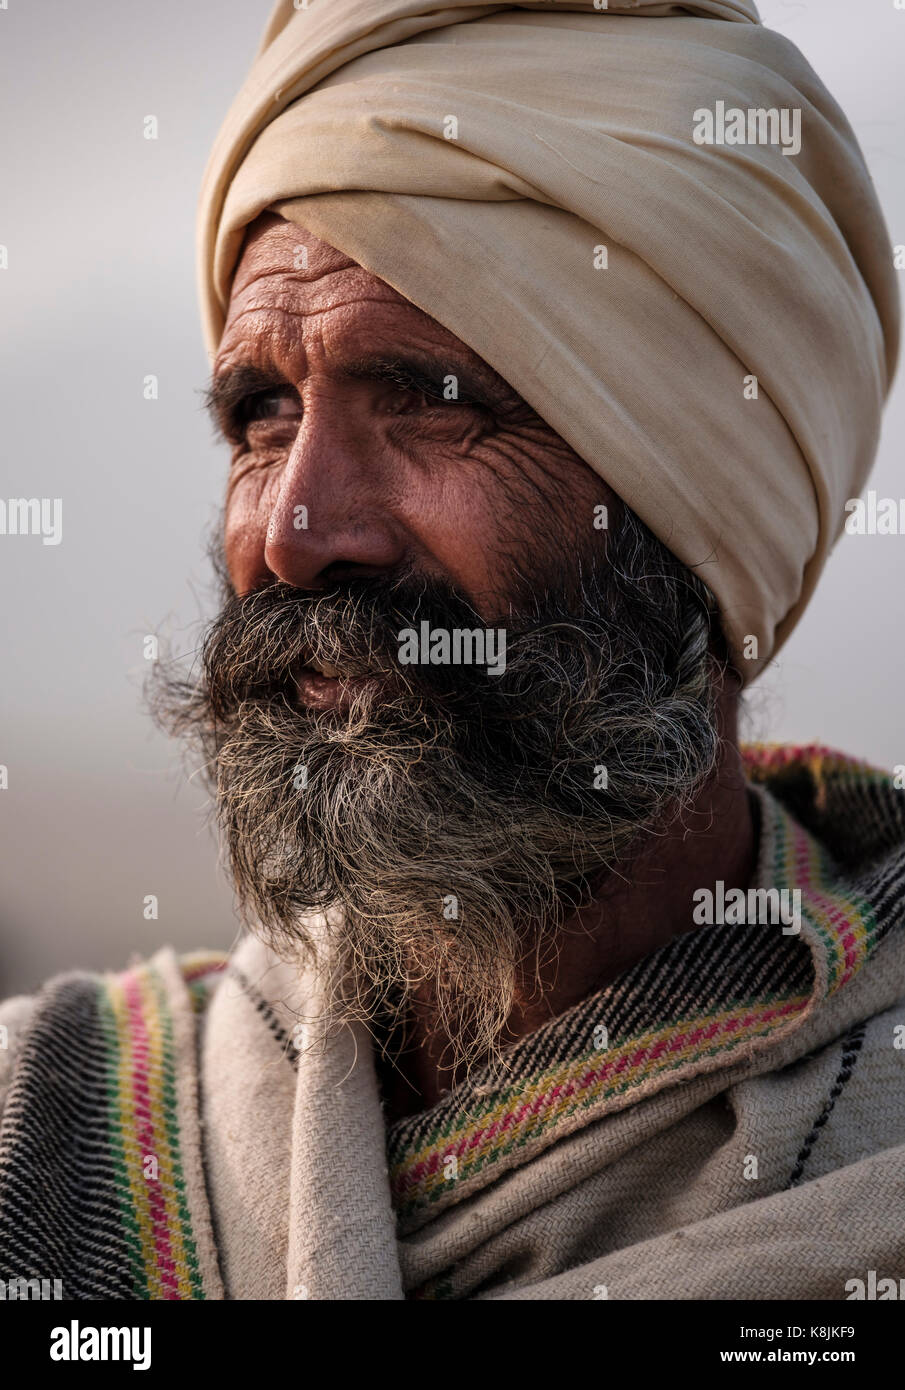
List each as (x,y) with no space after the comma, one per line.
(316,691)
(320,686)
(321,668)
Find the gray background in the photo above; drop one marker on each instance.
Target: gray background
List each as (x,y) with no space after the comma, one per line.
(100,291)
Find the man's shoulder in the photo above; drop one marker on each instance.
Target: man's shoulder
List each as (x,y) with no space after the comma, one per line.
(85,1013)
(15,1015)
(855,808)
(101,1171)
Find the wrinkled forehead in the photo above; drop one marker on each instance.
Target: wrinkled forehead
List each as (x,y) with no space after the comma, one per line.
(286,268)
(274,247)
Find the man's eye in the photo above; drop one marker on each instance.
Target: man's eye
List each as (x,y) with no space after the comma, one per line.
(268,405)
(411,398)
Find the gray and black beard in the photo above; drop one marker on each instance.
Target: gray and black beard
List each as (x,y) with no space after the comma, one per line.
(449,820)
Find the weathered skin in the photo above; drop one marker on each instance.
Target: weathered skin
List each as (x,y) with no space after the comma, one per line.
(475,493)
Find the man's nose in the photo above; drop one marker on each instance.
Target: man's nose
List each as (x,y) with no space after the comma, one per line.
(332,510)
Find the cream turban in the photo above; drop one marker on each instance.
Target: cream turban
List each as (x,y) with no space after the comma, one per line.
(530,177)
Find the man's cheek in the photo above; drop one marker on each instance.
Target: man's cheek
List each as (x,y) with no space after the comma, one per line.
(245,538)
(251,496)
(253,473)
(563,505)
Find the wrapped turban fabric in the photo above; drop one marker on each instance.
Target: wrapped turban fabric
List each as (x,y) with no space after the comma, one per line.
(530,177)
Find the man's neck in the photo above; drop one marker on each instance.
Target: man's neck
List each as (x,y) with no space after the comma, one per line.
(632,916)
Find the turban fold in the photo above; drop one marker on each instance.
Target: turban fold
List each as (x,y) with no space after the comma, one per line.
(712,327)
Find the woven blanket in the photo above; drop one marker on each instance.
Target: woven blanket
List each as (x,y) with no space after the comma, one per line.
(724,1120)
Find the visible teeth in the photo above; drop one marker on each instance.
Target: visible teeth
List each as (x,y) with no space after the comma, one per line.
(323,669)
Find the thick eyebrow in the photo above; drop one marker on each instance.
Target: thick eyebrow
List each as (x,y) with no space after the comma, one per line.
(423,372)
(410,371)
(227,390)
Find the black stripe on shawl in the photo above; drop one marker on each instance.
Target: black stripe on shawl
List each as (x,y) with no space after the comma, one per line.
(254,997)
(59,1208)
(851,1047)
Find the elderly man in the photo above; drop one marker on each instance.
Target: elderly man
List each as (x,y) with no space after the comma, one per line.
(549,342)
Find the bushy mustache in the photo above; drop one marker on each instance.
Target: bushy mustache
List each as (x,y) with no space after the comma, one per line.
(443,785)
(261,641)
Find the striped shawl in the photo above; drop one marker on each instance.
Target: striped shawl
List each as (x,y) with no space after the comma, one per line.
(726,1119)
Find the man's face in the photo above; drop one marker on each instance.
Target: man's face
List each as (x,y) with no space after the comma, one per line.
(349,416)
(440,818)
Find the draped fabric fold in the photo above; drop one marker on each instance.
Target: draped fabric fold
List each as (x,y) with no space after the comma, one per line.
(711,326)
(580,1165)
(224,1145)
